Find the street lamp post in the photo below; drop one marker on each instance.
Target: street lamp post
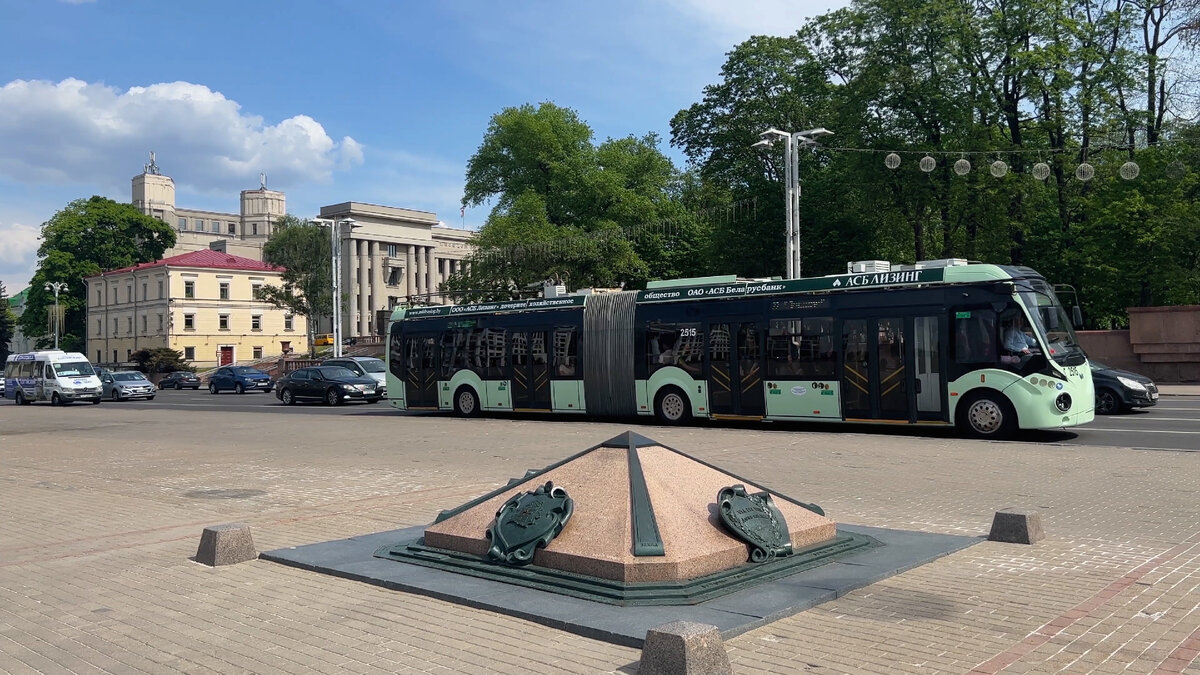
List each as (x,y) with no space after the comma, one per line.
(335,248)
(56,286)
(792,144)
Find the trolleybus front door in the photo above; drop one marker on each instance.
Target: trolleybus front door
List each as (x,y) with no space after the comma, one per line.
(874,373)
(735,369)
(530,369)
(420,372)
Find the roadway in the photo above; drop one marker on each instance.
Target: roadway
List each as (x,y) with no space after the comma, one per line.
(1174,424)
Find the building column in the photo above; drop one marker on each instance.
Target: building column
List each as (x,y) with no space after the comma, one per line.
(378,287)
(419,285)
(410,270)
(346,283)
(364,286)
(430,271)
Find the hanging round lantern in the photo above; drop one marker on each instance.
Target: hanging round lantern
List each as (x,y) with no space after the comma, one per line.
(1085,171)
(962,167)
(1129,170)
(927,163)
(892,160)
(1176,170)
(999,168)
(1041,171)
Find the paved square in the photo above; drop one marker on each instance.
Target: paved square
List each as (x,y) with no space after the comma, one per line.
(103,506)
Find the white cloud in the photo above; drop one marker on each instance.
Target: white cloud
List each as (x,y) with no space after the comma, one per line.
(18,246)
(89,133)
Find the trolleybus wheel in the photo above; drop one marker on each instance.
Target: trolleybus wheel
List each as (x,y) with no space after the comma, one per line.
(466,403)
(672,406)
(987,415)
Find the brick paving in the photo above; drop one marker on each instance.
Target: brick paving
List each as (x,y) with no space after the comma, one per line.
(102,507)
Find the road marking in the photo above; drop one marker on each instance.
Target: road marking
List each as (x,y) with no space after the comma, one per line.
(1138,431)
(1158,419)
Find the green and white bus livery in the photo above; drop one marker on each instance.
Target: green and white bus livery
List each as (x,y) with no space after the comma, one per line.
(987,348)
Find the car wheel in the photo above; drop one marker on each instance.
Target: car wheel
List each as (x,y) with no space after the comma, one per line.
(987,415)
(212,388)
(332,397)
(1108,403)
(55,399)
(115,395)
(672,406)
(287,397)
(466,403)
(238,388)
(179,387)
(20,398)
(96,402)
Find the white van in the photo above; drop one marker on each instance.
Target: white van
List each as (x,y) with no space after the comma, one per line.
(55,376)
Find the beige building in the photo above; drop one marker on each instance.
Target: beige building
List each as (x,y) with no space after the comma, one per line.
(241,233)
(392,256)
(200,304)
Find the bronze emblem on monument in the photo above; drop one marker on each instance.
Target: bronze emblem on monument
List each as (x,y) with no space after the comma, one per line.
(755,520)
(528,521)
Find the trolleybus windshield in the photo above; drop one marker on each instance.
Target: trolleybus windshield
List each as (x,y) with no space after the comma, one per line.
(1052,321)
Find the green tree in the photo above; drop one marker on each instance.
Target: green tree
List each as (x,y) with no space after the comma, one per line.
(302,249)
(8,324)
(160,360)
(563,207)
(87,237)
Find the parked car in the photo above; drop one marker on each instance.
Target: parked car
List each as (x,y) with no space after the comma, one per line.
(332,384)
(126,384)
(364,366)
(180,379)
(1118,391)
(240,379)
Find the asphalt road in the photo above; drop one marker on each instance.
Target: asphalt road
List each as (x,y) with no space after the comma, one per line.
(1174,424)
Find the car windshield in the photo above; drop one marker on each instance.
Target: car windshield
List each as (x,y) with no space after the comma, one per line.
(246,370)
(74,369)
(1051,321)
(127,377)
(335,372)
(372,366)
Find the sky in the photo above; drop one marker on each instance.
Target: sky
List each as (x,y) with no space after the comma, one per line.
(375,101)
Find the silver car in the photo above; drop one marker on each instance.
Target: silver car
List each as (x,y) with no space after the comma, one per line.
(124,385)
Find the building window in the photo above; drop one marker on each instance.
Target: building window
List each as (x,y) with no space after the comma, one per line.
(189,289)
(99,358)
(143,323)
(256,322)
(199,225)
(253,228)
(129,293)
(99,297)
(393,278)
(223,322)
(232,228)
(189,353)
(254,289)
(183,224)
(160,289)
(99,327)
(160,323)
(128,354)
(114,356)
(391,250)
(144,295)
(216,227)
(224,290)
(189,322)
(129,325)
(258,352)
(287,322)
(116,327)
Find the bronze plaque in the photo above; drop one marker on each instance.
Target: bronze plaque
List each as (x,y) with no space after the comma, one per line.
(756,520)
(528,521)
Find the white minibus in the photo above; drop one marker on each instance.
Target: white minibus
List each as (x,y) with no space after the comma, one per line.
(55,376)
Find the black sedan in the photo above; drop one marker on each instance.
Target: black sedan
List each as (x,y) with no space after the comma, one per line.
(1118,391)
(332,384)
(180,379)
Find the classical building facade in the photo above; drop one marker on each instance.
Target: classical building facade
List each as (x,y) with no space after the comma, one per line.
(199,303)
(392,256)
(242,233)
(19,344)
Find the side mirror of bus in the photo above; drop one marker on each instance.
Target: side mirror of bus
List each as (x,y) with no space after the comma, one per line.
(1077,317)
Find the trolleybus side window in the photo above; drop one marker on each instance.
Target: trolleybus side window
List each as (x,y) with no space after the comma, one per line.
(802,348)
(975,337)
(679,345)
(566,350)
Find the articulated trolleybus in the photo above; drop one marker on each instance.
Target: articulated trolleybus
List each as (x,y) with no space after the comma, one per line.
(987,348)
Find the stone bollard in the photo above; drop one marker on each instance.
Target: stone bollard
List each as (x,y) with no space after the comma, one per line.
(1017,526)
(684,648)
(226,545)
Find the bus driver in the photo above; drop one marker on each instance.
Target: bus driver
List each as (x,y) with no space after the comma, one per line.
(1016,341)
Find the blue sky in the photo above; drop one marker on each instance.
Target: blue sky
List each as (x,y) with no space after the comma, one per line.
(367,100)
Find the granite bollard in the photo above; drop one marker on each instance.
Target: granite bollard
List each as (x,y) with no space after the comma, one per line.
(1017,526)
(226,545)
(684,648)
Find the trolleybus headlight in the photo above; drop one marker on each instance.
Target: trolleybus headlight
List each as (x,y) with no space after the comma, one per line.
(1063,402)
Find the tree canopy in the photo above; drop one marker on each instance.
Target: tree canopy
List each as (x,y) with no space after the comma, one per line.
(87,237)
(302,248)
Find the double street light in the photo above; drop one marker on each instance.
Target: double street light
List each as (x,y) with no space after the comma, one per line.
(57,287)
(793,142)
(335,241)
